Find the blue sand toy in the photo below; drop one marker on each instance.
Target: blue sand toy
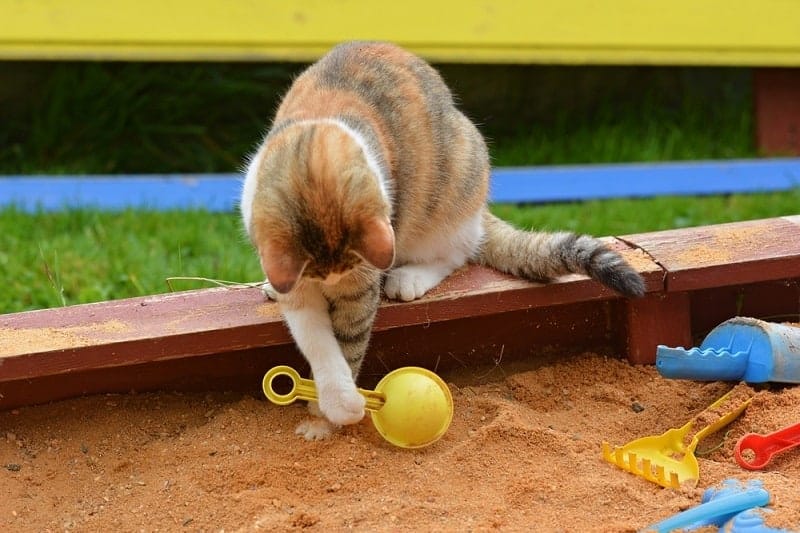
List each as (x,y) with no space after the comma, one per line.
(718,507)
(751,521)
(739,349)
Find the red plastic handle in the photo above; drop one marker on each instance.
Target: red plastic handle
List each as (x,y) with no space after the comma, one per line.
(761,448)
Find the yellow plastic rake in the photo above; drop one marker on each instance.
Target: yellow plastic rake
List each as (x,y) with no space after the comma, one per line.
(669,459)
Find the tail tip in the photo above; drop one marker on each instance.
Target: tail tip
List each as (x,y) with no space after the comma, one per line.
(626,282)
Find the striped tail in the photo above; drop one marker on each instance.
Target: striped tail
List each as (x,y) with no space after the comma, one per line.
(543,256)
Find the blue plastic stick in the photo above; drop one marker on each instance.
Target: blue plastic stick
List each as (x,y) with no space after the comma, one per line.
(729,487)
(738,349)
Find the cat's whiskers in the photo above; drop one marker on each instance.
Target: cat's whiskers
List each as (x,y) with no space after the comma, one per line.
(218,282)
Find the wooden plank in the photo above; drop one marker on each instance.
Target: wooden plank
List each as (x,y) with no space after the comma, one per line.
(467,343)
(712,32)
(136,330)
(220,192)
(473,342)
(725,254)
(662,318)
(212,192)
(775,301)
(480,291)
(227,338)
(640,180)
(776,101)
(196,323)
(237,370)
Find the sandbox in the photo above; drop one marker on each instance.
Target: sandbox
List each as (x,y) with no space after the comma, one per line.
(540,376)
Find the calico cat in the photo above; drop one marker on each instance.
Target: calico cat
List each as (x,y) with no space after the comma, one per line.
(369,167)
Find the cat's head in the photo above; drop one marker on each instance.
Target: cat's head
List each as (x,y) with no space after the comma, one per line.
(316,210)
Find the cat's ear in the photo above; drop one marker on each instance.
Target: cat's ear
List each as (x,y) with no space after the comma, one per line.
(376,244)
(282,267)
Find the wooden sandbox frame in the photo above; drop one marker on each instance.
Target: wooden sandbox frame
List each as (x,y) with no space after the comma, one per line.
(227,338)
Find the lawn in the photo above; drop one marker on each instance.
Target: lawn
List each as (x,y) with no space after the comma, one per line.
(97,118)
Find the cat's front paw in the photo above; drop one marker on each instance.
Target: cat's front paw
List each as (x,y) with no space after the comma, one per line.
(341,404)
(315,428)
(410,282)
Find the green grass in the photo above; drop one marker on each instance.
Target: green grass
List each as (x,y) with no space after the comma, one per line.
(623,216)
(85,256)
(106,118)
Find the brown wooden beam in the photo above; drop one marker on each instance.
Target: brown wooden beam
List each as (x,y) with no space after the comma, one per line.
(662,318)
(776,95)
(203,322)
(725,254)
(224,338)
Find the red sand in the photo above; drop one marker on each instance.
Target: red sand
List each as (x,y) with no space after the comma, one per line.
(523,453)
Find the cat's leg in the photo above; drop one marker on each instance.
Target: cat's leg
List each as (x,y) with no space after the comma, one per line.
(430,261)
(352,305)
(305,310)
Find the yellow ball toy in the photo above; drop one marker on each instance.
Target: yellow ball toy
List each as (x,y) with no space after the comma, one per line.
(411,407)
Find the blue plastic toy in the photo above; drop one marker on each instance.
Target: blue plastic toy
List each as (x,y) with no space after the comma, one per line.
(751,521)
(718,506)
(739,349)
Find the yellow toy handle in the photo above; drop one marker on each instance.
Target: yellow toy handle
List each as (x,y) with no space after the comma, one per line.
(304,389)
(712,418)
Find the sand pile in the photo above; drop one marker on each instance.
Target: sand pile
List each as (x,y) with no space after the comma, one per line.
(523,453)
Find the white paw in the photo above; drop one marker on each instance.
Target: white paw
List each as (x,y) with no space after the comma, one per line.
(410,282)
(341,403)
(315,429)
(269,292)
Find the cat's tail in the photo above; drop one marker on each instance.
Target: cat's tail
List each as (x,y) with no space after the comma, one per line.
(542,256)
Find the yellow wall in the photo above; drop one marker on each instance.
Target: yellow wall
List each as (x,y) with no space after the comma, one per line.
(709,32)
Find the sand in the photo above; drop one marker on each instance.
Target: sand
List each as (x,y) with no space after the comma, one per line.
(21,341)
(522,454)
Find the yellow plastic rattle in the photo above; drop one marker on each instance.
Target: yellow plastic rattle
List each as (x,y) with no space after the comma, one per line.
(411,407)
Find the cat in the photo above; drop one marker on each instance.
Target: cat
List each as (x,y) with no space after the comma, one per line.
(369,175)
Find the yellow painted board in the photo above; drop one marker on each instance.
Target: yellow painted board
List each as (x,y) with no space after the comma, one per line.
(732,32)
